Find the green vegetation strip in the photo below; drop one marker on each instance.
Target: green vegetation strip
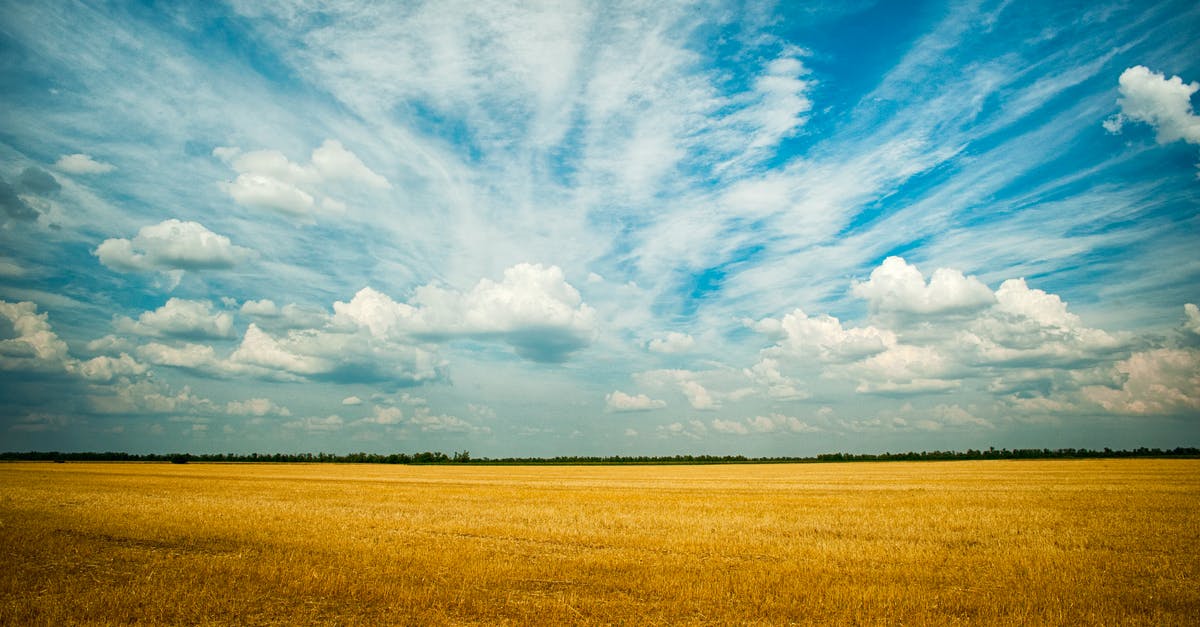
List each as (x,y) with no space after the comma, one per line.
(464,457)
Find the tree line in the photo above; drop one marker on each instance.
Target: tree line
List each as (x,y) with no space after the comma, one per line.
(464,457)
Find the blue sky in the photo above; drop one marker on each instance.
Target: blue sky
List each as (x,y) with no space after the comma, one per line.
(599,228)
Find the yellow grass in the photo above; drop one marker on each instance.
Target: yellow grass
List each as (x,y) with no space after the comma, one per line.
(995,542)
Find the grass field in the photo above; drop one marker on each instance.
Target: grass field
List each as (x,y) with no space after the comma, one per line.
(993,542)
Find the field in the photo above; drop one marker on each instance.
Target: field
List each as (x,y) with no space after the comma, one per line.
(993,542)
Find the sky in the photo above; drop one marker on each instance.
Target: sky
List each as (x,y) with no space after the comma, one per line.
(599,228)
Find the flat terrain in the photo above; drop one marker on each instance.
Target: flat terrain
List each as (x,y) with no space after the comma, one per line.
(1032,542)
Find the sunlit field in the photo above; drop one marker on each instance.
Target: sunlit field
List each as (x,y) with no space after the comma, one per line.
(1034,542)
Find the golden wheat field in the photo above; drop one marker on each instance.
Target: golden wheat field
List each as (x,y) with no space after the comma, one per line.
(992,542)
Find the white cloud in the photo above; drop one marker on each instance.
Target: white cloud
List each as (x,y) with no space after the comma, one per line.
(267,179)
(672,343)
(896,286)
(259,349)
(171,245)
(291,316)
(105,368)
(110,344)
(352,400)
(905,369)
(729,426)
(783,103)
(256,407)
(693,429)
(384,416)
(420,418)
(180,318)
(686,382)
(772,423)
(35,347)
(823,337)
(333,162)
(1160,381)
(82,164)
(1191,322)
(187,355)
(265,308)
(1164,103)
(424,420)
(767,374)
(148,396)
(1009,337)
(533,309)
(1028,326)
(945,416)
(316,424)
(336,355)
(620,401)
(264,192)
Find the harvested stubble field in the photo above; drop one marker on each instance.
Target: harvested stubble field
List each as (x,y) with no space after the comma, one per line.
(994,542)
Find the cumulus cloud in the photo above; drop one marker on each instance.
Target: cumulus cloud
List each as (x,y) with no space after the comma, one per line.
(104,368)
(267,179)
(768,375)
(729,426)
(772,423)
(148,396)
(427,421)
(290,316)
(1191,323)
(686,382)
(385,416)
(352,400)
(822,337)
(316,424)
(945,416)
(193,319)
(35,346)
(337,356)
(1163,103)
(672,343)
(620,401)
(265,308)
(421,418)
(533,309)
(905,369)
(257,190)
(1029,326)
(1160,381)
(187,355)
(1018,338)
(333,162)
(259,349)
(171,245)
(693,429)
(80,163)
(256,407)
(897,286)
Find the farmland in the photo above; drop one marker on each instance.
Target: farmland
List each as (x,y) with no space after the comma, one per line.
(1070,541)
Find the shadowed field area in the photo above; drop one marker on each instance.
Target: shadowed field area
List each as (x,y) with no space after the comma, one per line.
(1044,542)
